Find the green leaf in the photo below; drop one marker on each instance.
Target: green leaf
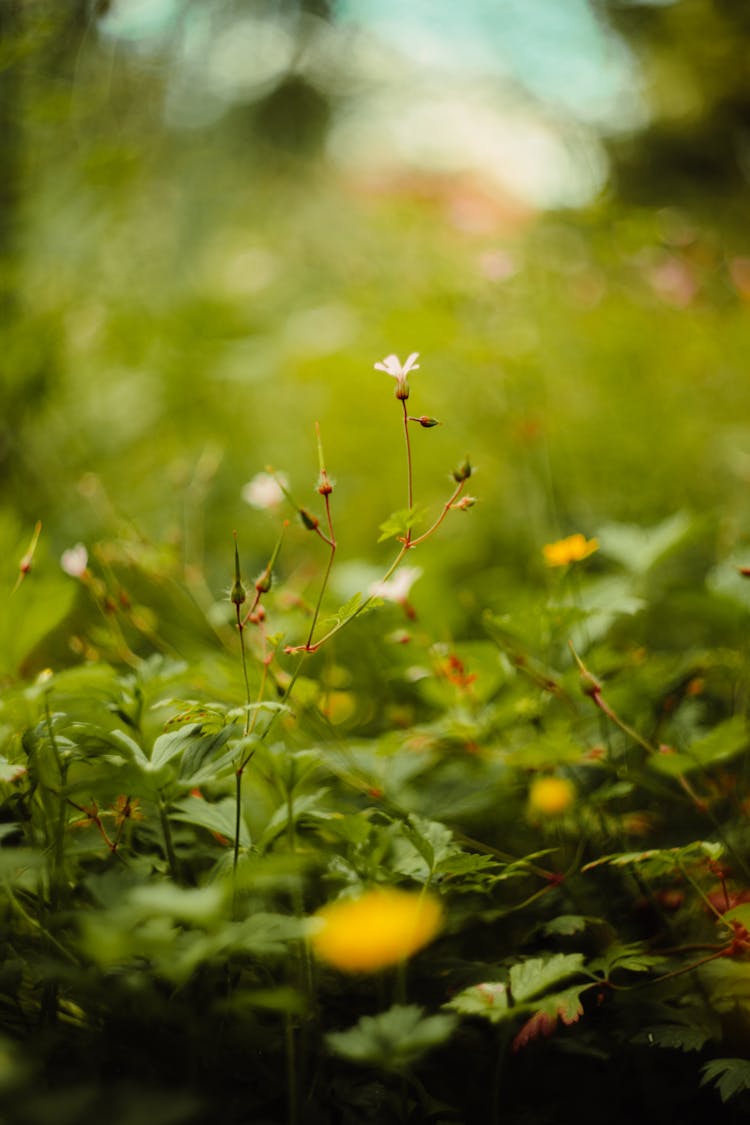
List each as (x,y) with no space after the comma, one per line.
(638,548)
(354,607)
(423,843)
(216,816)
(631,958)
(731,1076)
(400,522)
(568,924)
(563,1006)
(466,863)
(662,861)
(722,743)
(301,805)
(533,977)
(394,1039)
(489,1000)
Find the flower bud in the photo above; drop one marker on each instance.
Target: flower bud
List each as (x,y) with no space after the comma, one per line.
(464,503)
(462,472)
(310,521)
(263,582)
(324,488)
(238,594)
(425,420)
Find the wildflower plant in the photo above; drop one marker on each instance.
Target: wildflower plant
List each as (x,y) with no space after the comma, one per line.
(333,866)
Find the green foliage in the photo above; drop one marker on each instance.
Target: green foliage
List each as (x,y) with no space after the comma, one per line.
(400,523)
(177,802)
(393,1040)
(730,1076)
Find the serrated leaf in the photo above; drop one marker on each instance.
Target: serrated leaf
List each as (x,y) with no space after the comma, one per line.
(731,1076)
(400,522)
(632,958)
(568,924)
(423,843)
(489,1000)
(661,861)
(351,608)
(394,1039)
(533,977)
(466,863)
(564,1007)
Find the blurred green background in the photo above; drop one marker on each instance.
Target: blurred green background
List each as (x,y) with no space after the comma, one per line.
(216,215)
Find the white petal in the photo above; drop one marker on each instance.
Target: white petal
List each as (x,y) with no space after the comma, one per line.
(410,365)
(396,589)
(391,365)
(75,560)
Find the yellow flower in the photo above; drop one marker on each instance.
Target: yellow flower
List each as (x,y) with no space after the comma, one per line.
(572,549)
(379,929)
(550,796)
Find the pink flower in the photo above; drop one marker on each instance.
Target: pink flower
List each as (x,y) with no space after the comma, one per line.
(392,366)
(75,561)
(396,589)
(265,490)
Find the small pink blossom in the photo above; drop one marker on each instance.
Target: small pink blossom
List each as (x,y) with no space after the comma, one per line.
(393,366)
(75,561)
(264,490)
(396,589)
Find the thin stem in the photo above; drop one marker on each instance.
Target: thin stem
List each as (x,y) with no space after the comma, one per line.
(168,842)
(59,840)
(241,630)
(446,508)
(237,816)
(17,905)
(409,473)
(332,544)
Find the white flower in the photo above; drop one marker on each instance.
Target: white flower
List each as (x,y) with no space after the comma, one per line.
(264,490)
(75,560)
(396,589)
(392,366)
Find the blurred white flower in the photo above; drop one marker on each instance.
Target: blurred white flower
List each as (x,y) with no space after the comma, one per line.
(392,366)
(265,490)
(75,560)
(396,589)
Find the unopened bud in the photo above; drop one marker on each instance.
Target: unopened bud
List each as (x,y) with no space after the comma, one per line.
(464,503)
(425,420)
(238,594)
(462,472)
(263,582)
(325,488)
(310,521)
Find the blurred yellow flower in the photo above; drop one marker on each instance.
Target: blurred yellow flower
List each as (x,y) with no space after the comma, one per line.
(572,549)
(379,929)
(551,796)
